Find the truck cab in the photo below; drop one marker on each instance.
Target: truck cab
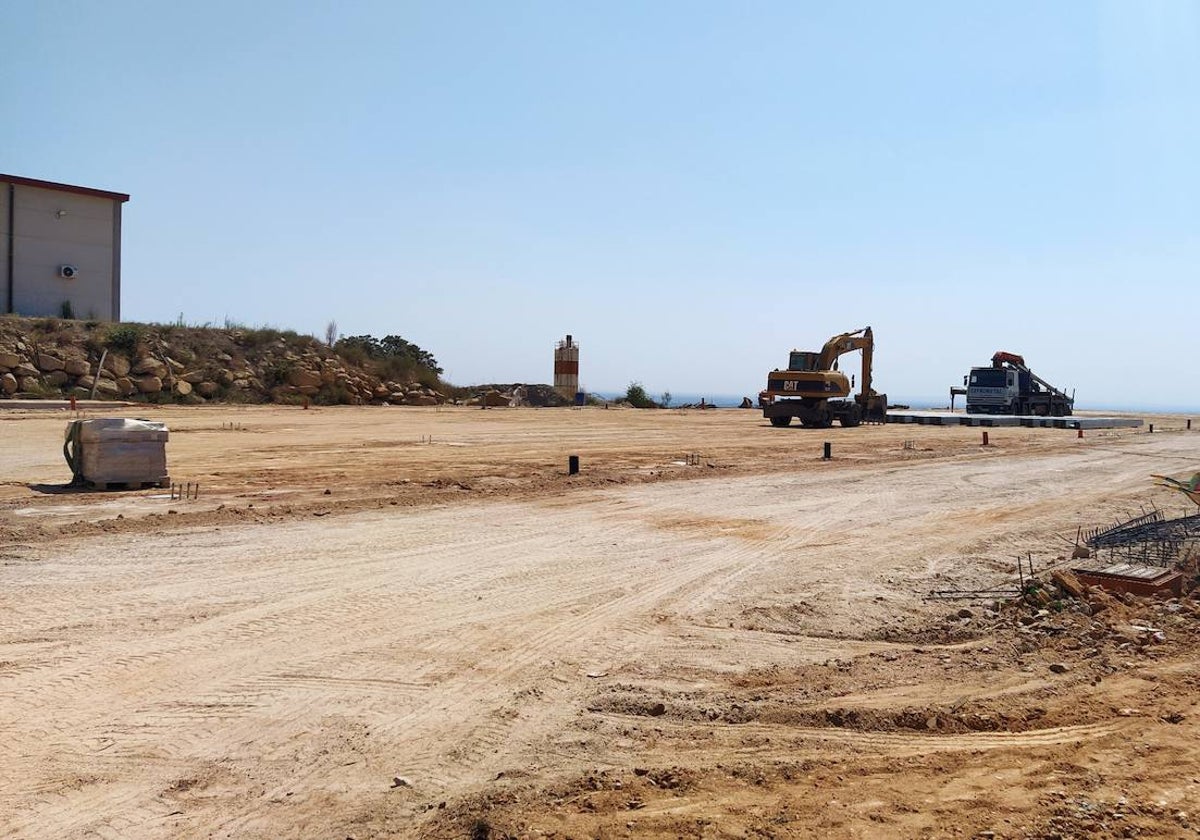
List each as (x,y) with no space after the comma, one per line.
(1009,387)
(991,390)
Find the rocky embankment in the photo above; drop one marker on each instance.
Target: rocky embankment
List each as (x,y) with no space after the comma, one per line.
(57,359)
(51,358)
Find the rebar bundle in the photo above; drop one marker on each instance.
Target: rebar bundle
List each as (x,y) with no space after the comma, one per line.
(1149,538)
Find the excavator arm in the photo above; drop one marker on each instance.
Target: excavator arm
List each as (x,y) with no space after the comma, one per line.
(839,345)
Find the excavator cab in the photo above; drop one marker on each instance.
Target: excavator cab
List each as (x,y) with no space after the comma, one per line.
(803,360)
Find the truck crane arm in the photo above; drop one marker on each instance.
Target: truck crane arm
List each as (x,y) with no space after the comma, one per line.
(1001,358)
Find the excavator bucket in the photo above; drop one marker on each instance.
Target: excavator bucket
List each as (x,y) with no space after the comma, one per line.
(874,408)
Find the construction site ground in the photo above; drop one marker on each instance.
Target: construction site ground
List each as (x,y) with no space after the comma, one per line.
(387,622)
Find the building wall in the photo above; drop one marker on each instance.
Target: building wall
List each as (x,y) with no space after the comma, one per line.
(54,228)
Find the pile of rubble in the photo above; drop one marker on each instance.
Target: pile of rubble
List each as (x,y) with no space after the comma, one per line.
(517,395)
(1059,611)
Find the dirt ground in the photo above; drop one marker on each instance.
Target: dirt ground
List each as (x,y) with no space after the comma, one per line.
(386,622)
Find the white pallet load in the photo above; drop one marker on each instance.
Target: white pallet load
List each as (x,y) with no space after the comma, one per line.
(116,450)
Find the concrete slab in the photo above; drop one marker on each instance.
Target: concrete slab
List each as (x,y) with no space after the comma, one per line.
(949,418)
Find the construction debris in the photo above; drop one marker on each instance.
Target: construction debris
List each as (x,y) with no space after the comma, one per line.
(1136,580)
(1149,539)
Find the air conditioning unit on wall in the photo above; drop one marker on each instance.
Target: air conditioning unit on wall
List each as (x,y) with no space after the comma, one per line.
(68,272)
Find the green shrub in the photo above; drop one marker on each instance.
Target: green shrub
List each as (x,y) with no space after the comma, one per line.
(637,397)
(276,372)
(124,337)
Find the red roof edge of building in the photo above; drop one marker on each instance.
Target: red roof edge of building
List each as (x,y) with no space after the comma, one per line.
(71,188)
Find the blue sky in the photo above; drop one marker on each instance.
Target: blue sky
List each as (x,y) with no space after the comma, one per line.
(690,189)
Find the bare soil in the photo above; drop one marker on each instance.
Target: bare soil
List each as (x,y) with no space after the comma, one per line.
(385,622)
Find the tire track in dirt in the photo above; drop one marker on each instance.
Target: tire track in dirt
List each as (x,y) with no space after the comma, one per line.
(788,742)
(467,714)
(341,615)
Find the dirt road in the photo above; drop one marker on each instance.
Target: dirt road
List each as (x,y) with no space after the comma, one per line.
(478,643)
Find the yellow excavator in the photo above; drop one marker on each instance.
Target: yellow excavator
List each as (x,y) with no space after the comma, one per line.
(812,389)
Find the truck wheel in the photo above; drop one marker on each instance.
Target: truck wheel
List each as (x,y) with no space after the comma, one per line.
(851,419)
(780,422)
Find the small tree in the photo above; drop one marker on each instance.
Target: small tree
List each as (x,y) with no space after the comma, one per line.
(637,397)
(331,333)
(665,399)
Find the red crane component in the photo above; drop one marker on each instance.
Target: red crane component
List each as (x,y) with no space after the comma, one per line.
(1000,357)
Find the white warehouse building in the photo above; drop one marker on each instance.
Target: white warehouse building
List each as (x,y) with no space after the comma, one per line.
(60,250)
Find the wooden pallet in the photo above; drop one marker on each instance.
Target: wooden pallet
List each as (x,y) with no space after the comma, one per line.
(127,485)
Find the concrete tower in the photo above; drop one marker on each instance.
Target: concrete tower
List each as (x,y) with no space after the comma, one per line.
(566,368)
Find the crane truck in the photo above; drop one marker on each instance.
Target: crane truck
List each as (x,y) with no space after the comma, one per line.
(1010,387)
(813,390)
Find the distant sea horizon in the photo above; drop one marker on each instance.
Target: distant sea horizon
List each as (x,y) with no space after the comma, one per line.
(917,403)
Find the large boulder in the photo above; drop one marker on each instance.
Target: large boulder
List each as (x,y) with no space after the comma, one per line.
(107,388)
(148,366)
(8,383)
(303,378)
(421,399)
(9,360)
(182,387)
(47,363)
(24,369)
(77,367)
(194,377)
(125,386)
(117,364)
(30,383)
(57,378)
(495,398)
(149,384)
(207,389)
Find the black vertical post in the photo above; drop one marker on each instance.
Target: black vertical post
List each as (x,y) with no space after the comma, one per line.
(573,465)
(828,450)
(12,203)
